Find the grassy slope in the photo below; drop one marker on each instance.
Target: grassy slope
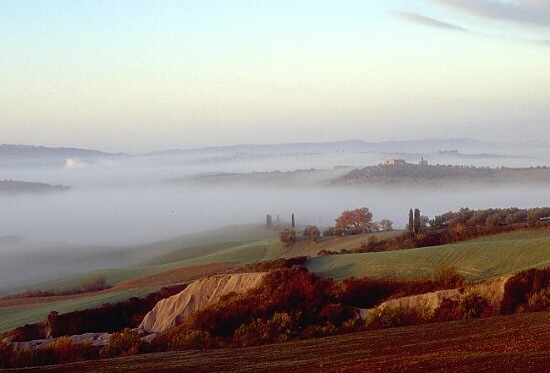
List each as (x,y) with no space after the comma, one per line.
(180,251)
(517,343)
(198,244)
(64,260)
(256,251)
(12,317)
(476,259)
(307,248)
(262,250)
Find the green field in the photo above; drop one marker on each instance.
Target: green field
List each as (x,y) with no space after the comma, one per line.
(257,251)
(476,259)
(199,244)
(12,317)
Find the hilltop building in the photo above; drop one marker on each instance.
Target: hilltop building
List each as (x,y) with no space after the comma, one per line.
(395,162)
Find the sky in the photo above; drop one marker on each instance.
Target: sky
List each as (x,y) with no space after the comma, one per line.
(135,76)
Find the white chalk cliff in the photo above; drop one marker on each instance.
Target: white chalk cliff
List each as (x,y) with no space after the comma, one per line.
(170,311)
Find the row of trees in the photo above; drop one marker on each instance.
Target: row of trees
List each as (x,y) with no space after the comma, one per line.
(270,224)
(357,221)
(421,231)
(455,226)
(468,218)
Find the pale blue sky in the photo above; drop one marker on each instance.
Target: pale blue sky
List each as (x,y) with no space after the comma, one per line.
(132,75)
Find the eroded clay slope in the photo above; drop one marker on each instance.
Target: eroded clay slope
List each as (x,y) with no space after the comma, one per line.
(196,296)
(492,291)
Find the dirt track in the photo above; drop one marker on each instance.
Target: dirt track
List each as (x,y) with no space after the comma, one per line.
(519,343)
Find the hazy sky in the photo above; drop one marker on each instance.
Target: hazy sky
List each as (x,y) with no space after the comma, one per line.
(132,75)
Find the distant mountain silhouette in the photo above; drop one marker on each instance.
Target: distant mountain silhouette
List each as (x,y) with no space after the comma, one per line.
(16,187)
(30,151)
(337,146)
(460,145)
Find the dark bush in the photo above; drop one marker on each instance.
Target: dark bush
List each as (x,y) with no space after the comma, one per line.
(521,287)
(60,351)
(472,306)
(125,343)
(368,292)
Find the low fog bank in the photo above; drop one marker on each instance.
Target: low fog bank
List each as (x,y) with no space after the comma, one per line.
(117,204)
(85,222)
(130,216)
(25,263)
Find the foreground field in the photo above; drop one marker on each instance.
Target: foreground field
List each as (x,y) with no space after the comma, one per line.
(518,343)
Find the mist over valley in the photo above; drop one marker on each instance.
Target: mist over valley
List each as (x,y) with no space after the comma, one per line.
(117,202)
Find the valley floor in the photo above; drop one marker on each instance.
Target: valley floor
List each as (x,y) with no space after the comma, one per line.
(502,344)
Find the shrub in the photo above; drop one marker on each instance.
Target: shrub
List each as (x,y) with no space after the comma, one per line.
(59,351)
(312,232)
(272,265)
(373,245)
(191,340)
(447,311)
(95,284)
(540,300)
(448,277)
(316,331)
(33,357)
(472,306)
(325,252)
(334,232)
(125,343)
(521,287)
(6,354)
(287,237)
(67,351)
(368,292)
(387,317)
(281,327)
(27,332)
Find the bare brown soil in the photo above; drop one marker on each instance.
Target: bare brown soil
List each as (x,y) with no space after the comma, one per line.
(517,343)
(177,275)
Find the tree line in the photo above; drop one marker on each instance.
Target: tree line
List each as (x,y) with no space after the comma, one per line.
(457,226)
(349,222)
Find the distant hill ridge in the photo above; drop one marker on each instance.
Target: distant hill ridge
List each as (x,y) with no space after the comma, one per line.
(13,187)
(464,144)
(343,146)
(31,151)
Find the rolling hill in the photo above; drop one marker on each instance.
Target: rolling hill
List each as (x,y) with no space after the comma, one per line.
(478,259)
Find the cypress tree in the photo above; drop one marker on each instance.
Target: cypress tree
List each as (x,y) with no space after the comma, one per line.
(417,219)
(293,222)
(411,221)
